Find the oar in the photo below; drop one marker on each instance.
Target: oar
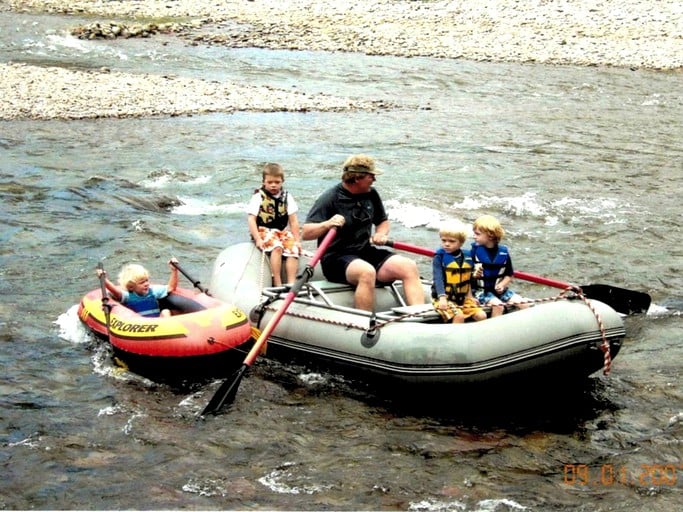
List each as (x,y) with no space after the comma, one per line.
(228,389)
(194,282)
(105,296)
(620,299)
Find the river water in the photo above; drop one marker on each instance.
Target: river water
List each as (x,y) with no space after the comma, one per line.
(582,165)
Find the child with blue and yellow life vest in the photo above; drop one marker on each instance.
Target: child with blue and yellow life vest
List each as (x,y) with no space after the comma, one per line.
(493,267)
(274,225)
(137,293)
(452,272)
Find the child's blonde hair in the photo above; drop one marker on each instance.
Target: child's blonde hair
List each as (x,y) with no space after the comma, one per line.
(274,170)
(132,274)
(454,229)
(490,226)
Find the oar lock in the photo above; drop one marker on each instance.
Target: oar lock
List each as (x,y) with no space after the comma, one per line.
(370,337)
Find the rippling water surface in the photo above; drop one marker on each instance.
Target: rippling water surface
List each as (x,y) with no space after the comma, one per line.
(582,165)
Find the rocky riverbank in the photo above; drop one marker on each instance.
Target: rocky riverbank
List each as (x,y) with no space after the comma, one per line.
(626,33)
(33,92)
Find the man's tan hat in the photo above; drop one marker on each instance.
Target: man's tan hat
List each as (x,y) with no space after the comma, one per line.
(361,163)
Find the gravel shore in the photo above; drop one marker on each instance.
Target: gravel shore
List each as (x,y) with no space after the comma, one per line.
(56,93)
(624,33)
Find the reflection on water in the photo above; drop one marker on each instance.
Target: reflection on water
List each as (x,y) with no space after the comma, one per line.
(579,165)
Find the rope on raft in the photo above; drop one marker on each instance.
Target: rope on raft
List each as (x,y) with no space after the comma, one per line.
(605,347)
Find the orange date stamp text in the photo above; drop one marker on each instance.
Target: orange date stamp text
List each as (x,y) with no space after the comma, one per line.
(646,475)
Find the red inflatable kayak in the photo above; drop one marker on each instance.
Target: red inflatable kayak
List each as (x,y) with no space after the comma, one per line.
(200,328)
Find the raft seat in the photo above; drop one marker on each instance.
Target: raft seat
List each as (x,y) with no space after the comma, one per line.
(421,312)
(386,298)
(322,288)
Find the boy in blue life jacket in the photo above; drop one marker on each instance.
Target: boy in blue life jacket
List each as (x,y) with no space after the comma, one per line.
(137,293)
(452,273)
(493,267)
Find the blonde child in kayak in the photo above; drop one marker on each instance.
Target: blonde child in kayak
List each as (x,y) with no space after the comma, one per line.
(452,272)
(137,293)
(274,225)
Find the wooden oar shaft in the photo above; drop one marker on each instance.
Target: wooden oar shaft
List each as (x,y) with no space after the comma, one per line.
(402,246)
(622,300)
(519,274)
(227,391)
(265,333)
(289,298)
(542,280)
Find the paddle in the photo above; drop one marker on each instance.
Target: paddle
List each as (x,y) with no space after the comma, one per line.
(105,296)
(194,282)
(228,389)
(620,299)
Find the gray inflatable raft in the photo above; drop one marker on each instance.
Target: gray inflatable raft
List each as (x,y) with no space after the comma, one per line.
(410,344)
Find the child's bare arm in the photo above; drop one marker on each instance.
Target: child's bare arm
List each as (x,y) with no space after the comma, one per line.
(503,284)
(294,227)
(173,280)
(111,287)
(253,231)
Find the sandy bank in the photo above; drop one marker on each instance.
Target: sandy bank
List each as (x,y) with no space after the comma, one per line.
(630,33)
(56,93)
(626,33)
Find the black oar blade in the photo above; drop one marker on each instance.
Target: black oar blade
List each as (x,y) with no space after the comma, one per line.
(620,299)
(225,395)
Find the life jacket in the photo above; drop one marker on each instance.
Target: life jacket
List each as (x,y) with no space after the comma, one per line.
(494,269)
(273,211)
(457,272)
(146,305)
